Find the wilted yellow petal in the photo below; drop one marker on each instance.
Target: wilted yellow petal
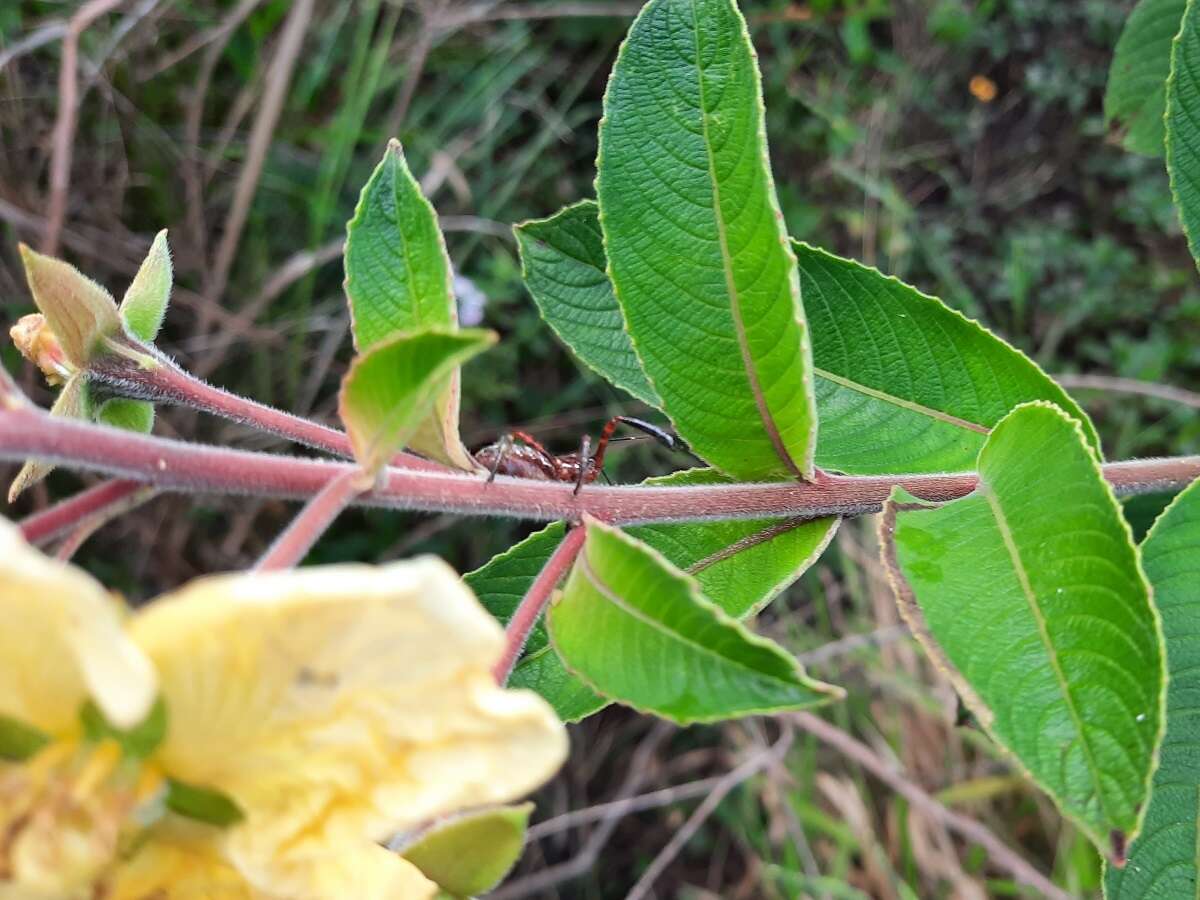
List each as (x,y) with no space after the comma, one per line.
(60,642)
(78,311)
(341,704)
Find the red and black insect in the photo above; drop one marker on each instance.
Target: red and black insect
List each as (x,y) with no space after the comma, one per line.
(522,456)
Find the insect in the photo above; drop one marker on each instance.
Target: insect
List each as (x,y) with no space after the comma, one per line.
(522,456)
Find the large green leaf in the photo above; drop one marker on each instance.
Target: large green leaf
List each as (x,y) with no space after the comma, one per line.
(1183,124)
(639,631)
(1135,99)
(771,555)
(563,262)
(471,852)
(904,383)
(1163,861)
(1030,594)
(696,246)
(399,280)
(390,388)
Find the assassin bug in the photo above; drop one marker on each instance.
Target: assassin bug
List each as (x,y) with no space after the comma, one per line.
(529,459)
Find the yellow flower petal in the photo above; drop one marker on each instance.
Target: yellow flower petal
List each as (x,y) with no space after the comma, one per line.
(179,860)
(61,642)
(341,704)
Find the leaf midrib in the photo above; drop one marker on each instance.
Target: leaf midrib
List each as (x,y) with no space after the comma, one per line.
(918,408)
(760,400)
(1039,617)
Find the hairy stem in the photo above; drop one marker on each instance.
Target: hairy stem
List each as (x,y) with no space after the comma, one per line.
(312,522)
(63,516)
(167,464)
(533,604)
(142,372)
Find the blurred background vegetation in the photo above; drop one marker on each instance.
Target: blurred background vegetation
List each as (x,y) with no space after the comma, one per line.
(958,144)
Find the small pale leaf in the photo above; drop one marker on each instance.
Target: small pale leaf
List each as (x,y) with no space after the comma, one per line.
(79,312)
(132,415)
(638,630)
(390,388)
(470,853)
(145,302)
(1029,594)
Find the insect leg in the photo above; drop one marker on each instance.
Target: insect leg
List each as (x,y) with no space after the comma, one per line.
(585,448)
(503,448)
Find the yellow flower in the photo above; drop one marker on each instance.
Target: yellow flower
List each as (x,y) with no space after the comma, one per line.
(312,713)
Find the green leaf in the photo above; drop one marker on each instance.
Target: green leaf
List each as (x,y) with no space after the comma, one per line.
(1163,861)
(470,853)
(19,741)
(203,804)
(132,415)
(697,251)
(1135,99)
(1183,125)
(904,383)
(638,630)
(772,554)
(1029,593)
(565,269)
(390,388)
(399,280)
(139,741)
(145,302)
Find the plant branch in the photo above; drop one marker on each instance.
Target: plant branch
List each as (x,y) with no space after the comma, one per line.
(312,522)
(167,464)
(533,604)
(63,516)
(160,380)
(90,524)
(1000,854)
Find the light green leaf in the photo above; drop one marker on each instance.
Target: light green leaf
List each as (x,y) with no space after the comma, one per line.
(390,388)
(696,246)
(771,554)
(904,383)
(1029,593)
(1135,99)
(80,313)
(638,630)
(145,302)
(132,415)
(1183,124)
(470,853)
(1163,861)
(563,263)
(399,280)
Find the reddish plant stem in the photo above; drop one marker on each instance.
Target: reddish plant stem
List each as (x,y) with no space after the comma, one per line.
(168,464)
(534,603)
(89,525)
(312,522)
(55,520)
(165,382)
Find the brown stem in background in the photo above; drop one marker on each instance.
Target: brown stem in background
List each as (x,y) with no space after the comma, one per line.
(534,603)
(64,123)
(1004,857)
